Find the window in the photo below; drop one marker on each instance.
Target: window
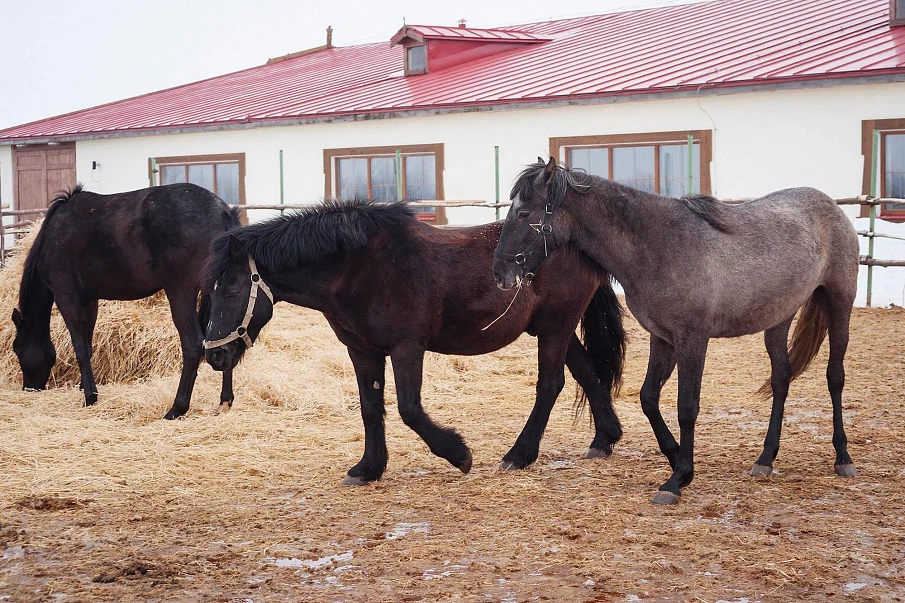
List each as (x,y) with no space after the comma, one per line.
(891,165)
(656,163)
(223,175)
(370,173)
(416,59)
(896,12)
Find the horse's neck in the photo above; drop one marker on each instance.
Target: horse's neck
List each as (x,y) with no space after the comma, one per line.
(36,303)
(306,287)
(608,233)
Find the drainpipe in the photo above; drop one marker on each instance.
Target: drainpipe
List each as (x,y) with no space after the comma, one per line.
(873,213)
(690,188)
(282,200)
(496,173)
(398,175)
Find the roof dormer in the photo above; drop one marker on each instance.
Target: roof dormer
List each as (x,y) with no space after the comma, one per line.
(432,48)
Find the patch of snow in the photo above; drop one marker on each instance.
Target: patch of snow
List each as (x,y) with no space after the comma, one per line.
(312,563)
(854,586)
(405,528)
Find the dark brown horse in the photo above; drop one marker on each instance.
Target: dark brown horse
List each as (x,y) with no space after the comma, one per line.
(390,285)
(124,246)
(695,268)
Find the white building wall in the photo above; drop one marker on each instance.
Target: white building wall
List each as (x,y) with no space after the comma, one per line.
(762,141)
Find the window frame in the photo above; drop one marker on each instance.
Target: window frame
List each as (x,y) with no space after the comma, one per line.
(560,145)
(331,172)
(408,69)
(885,127)
(187,160)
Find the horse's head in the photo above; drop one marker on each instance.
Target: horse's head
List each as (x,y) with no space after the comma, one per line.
(35,351)
(533,227)
(241,303)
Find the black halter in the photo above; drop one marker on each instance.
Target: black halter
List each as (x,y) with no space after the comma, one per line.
(544,228)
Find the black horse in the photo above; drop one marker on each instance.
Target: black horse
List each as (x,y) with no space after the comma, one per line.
(124,246)
(695,268)
(390,285)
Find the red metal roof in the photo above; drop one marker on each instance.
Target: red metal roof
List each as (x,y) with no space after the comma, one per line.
(711,44)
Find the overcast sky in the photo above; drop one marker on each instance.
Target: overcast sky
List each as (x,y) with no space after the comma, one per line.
(64,55)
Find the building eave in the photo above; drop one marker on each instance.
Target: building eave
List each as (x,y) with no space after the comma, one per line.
(696,90)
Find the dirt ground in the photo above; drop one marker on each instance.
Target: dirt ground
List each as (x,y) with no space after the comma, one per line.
(112,503)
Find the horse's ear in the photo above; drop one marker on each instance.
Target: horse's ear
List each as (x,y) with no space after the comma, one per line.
(17,317)
(549,170)
(540,159)
(235,247)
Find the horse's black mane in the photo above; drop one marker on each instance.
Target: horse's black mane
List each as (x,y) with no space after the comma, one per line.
(565,179)
(30,270)
(308,236)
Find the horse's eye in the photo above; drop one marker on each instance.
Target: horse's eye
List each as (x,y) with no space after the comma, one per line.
(524,214)
(232,295)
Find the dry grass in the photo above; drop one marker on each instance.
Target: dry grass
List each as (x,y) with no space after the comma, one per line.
(134,340)
(111,503)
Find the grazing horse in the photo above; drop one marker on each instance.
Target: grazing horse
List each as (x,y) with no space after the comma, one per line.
(390,285)
(695,268)
(124,246)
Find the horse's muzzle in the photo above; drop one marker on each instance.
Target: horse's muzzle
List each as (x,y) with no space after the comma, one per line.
(506,275)
(221,359)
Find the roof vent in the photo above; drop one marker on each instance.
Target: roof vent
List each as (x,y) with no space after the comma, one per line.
(462,23)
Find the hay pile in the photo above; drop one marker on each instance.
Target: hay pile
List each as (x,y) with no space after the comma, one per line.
(132,341)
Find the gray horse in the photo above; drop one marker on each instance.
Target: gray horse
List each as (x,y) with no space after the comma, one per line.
(695,268)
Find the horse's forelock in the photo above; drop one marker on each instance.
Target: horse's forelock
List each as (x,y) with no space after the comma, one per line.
(533,182)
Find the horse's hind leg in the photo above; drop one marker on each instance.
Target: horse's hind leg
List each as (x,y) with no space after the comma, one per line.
(660,366)
(80,319)
(607,429)
(408,362)
(838,310)
(185,317)
(370,372)
(776,340)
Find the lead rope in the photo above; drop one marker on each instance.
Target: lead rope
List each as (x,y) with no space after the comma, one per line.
(517,291)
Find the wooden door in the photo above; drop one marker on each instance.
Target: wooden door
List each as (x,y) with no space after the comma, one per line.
(41,171)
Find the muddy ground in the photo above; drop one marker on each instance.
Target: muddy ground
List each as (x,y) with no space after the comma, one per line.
(112,503)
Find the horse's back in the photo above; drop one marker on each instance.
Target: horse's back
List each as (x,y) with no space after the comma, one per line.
(128,245)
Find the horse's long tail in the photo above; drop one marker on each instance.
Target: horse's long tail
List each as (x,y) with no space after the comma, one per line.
(810,331)
(603,337)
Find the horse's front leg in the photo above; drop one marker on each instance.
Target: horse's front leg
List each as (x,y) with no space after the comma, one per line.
(690,355)
(226,391)
(80,319)
(185,317)
(408,362)
(551,358)
(370,370)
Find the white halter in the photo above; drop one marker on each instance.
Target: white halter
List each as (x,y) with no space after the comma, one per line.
(241,331)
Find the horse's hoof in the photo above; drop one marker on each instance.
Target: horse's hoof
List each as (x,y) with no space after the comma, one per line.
(845,470)
(225,406)
(509,466)
(465,465)
(354,480)
(664,497)
(173,414)
(761,470)
(597,453)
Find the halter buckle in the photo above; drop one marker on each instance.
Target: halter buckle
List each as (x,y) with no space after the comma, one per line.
(520,259)
(546,229)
